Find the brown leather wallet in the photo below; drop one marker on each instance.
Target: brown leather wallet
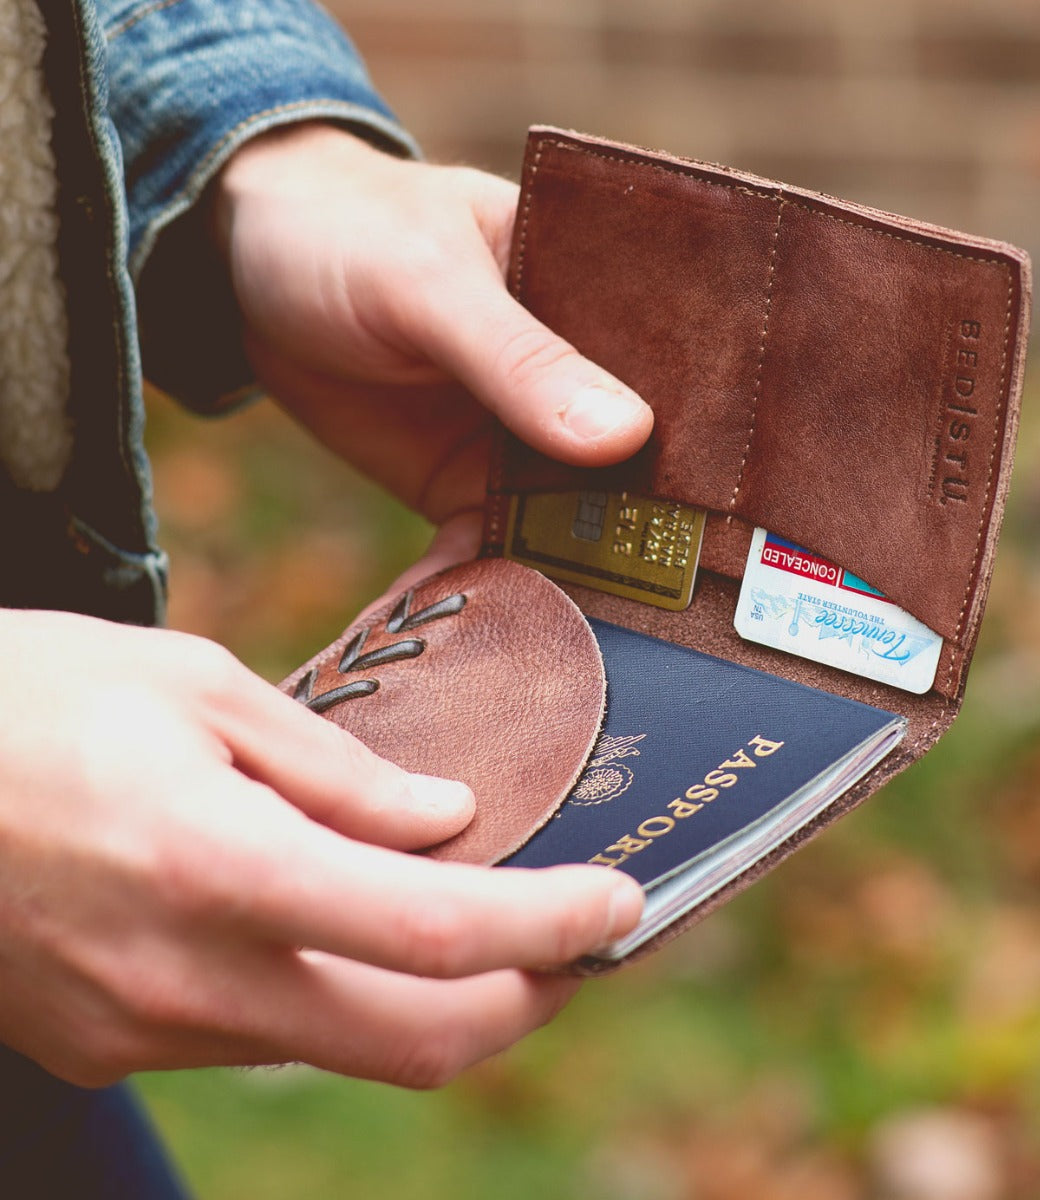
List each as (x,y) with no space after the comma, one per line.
(846,378)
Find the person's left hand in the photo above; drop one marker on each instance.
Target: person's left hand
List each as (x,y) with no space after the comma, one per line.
(375,310)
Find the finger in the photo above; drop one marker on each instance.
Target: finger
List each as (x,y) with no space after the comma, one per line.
(419,1033)
(457,540)
(329,774)
(439,428)
(290,881)
(233,1004)
(536,383)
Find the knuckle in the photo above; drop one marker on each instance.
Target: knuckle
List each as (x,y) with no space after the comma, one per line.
(355,759)
(211,666)
(142,997)
(482,190)
(529,353)
(83,1072)
(558,992)
(467,180)
(105,1056)
(577,931)
(431,1062)
(202,876)
(117,1057)
(182,886)
(425,263)
(432,935)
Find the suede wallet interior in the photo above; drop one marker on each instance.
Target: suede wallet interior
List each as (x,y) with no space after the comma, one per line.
(845,378)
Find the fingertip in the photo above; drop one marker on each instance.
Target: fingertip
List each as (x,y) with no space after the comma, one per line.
(610,422)
(557,989)
(623,896)
(625,907)
(447,805)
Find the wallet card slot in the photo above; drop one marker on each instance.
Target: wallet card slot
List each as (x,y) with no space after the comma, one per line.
(838,376)
(707,626)
(676,313)
(880,422)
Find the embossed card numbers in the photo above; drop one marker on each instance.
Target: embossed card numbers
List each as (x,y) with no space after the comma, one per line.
(617,542)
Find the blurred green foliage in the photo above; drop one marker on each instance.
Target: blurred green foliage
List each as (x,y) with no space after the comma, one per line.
(890,968)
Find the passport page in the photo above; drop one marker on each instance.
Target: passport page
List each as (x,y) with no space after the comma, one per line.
(702,767)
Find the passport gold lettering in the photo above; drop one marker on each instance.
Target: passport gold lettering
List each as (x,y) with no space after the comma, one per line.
(702,793)
(601,860)
(740,759)
(629,844)
(762,747)
(719,778)
(683,808)
(696,796)
(656,826)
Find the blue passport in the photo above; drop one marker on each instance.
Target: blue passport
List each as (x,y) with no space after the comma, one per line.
(702,767)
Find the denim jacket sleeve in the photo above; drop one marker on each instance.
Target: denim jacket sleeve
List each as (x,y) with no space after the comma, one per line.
(190,81)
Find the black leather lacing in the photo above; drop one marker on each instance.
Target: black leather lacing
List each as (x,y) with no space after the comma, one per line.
(401,620)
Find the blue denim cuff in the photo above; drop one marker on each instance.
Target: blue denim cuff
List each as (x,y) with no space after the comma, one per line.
(190,82)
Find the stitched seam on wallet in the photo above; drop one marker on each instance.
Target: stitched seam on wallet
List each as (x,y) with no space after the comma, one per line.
(769,193)
(761,354)
(525,217)
(498,462)
(922,241)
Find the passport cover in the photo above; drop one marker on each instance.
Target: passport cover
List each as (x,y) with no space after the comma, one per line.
(845,378)
(701,764)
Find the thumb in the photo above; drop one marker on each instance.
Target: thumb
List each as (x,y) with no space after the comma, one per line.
(330,775)
(537,384)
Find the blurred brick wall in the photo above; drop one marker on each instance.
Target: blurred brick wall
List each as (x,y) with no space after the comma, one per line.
(928,107)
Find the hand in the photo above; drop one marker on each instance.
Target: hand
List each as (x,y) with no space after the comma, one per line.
(196,870)
(374,306)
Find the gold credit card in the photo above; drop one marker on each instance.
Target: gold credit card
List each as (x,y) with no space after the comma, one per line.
(616,542)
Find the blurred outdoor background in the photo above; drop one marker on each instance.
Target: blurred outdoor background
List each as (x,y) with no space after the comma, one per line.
(865,1023)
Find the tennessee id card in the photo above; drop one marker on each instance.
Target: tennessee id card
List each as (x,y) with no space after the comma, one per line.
(793,600)
(616,542)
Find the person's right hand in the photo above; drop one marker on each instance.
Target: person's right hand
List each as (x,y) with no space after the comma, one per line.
(196,870)
(374,308)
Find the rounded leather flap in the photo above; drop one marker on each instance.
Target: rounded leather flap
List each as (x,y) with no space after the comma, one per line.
(485,673)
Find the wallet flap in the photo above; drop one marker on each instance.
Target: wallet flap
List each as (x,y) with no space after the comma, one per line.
(846,378)
(486,673)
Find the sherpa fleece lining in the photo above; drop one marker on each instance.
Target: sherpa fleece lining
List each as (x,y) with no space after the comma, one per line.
(35,436)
